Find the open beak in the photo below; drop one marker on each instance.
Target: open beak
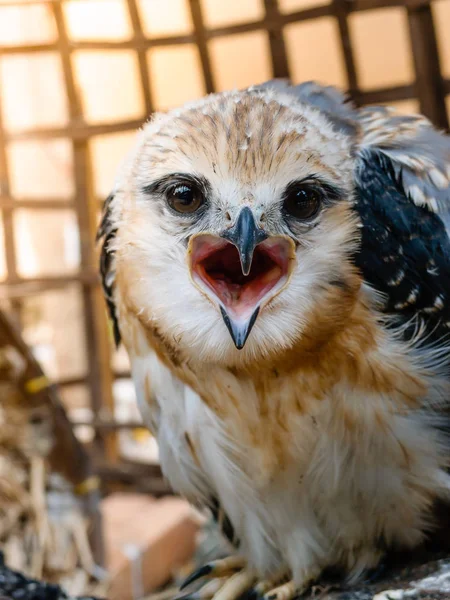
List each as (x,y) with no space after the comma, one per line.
(241,271)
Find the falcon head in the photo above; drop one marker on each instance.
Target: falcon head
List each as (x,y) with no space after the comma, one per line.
(231,227)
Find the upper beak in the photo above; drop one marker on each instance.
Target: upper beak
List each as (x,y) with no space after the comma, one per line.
(245,235)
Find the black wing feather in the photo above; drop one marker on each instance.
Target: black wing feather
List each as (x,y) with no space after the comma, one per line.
(107,232)
(405,249)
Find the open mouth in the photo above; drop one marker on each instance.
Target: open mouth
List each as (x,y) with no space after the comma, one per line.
(217,269)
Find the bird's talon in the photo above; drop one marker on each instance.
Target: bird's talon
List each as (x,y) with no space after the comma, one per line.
(216,568)
(207,590)
(197,574)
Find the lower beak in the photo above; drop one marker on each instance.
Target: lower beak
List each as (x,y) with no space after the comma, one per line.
(245,235)
(239,330)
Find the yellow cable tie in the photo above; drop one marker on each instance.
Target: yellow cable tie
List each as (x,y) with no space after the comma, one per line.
(88,485)
(35,385)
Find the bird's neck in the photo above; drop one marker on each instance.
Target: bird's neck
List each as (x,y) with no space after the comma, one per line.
(359,355)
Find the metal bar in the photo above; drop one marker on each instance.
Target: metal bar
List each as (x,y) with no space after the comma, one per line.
(201,40)
(429,82)
(280,64)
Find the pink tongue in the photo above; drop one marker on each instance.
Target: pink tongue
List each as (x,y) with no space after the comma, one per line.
(216,264)
(240,301)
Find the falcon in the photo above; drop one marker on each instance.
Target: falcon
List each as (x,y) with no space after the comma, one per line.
(277,265)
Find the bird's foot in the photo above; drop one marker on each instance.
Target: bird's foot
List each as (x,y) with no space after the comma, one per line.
(224,567)
(231,579)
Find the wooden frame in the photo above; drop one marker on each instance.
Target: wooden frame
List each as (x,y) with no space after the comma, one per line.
(429,88)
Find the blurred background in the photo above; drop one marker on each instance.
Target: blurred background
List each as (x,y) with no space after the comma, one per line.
(77,78)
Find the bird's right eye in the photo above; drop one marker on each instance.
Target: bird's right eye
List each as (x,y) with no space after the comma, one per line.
(185,198)
(302,202)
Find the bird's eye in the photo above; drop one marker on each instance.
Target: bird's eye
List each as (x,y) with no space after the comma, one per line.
(185,198)
(302,202)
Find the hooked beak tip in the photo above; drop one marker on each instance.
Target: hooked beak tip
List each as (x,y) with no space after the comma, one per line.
(246,264)
(239,331)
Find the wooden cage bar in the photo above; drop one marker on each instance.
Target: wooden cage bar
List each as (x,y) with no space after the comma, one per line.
(99,376)
(429,82)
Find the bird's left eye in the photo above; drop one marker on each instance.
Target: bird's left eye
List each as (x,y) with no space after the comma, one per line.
(302,202)
(185,198)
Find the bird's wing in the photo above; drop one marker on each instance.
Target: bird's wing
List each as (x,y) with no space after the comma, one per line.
(418,154)
(106,233)
(402,179)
